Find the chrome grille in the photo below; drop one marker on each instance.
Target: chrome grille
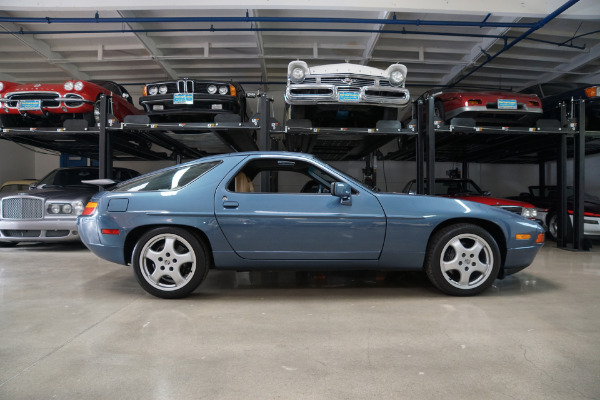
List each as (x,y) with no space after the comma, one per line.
(341,80)
(47,98)
(185,86)
(22,208)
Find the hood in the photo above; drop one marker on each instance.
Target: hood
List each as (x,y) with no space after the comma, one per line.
(493,201)
(75,193)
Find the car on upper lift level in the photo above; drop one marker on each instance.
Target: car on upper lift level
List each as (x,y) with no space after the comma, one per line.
(50,105)
(194,100)
(344,95)
(553,94)
(492,108)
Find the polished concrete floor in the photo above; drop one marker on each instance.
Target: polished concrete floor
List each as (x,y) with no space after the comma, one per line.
(75,327)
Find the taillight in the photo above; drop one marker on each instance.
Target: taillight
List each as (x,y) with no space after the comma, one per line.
(90,208)
(592,91)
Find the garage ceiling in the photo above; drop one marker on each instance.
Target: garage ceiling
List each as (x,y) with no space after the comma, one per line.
(458,44)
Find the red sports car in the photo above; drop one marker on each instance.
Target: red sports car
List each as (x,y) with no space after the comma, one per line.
(487,108)
(466,189)
(49,105)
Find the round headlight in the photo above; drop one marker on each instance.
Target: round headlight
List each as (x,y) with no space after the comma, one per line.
(212,89)
(297,75)
(68,85)
(396,77)
(66,209)
(78,207)
(54,208)
(162,89)
(78,85)
(223,89)
(152,90)
(1,86)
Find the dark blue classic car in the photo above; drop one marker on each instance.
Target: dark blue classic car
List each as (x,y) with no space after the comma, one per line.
(290,211)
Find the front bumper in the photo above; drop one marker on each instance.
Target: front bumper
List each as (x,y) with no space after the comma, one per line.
(202,104)
(332,94)
(59,230)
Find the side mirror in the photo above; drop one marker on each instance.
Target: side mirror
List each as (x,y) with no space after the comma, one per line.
(33,186)
(125,95)
(343,191)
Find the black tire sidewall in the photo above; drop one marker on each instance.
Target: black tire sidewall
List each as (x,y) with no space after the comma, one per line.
(200,272)
(434,251)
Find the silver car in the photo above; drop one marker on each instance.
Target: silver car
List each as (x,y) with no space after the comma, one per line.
(48,211)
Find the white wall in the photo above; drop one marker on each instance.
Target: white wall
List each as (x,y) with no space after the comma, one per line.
(16,162)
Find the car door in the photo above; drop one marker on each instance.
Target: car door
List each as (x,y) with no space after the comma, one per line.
(300,226)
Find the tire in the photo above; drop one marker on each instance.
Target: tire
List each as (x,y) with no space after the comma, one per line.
(462,260)
(552,223)
(553,226)
(170,262)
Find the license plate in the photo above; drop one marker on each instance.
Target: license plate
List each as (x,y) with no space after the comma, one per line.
(30,105)
(348,96)
(183,98)
(216,106)
(507,104)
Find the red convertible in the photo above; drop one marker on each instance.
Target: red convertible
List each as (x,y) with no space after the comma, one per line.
(49,105)
(487,108)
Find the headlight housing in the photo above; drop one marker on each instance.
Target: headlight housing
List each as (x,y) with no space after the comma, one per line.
(1,86)
(396,77)
(152,90)
(68,85)
(162,89)
(529,212)
(78,85)
(297,71)
(59,209)
(212,89)
(223,90)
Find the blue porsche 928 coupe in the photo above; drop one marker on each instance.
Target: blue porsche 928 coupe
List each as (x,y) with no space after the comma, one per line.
(289,211)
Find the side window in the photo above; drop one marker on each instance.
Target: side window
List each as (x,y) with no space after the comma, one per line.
(281,176)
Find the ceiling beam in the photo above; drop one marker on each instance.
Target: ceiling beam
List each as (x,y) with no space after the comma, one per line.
(567,68)
(43,49)
(373,39)
(476,52)
(149,44)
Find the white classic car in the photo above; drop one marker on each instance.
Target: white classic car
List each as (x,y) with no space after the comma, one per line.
(345,95)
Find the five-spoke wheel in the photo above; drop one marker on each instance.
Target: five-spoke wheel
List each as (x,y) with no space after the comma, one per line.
(462,259)
(170,262)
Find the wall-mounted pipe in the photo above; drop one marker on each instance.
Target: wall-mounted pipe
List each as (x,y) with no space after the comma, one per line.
(247,18)
(322,30)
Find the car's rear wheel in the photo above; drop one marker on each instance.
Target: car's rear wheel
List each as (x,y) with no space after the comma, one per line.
(170,262)
(462,260)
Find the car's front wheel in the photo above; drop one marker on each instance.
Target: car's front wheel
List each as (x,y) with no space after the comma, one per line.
(462,260)
(170,262)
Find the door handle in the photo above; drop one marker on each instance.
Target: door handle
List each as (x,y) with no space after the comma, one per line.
(230,204)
